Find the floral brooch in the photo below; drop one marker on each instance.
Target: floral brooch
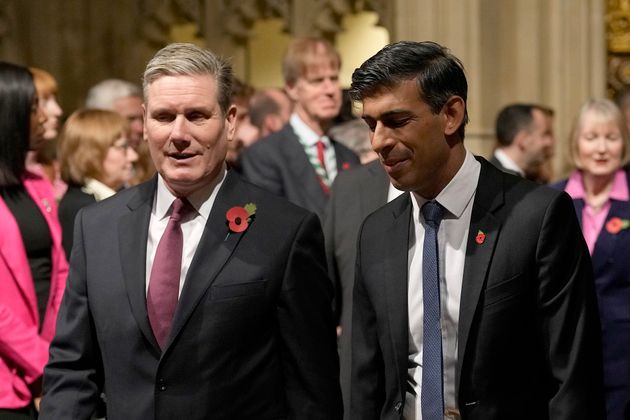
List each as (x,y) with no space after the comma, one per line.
(616,225)
(239,218)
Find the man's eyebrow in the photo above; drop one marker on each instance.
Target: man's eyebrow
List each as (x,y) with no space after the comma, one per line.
(387,114)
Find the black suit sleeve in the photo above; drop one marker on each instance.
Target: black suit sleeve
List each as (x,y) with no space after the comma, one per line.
(309,355)
(569,316)
(73,376)
(367,386)
(260,168)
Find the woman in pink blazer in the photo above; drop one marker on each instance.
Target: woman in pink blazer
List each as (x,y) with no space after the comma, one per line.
(33,266)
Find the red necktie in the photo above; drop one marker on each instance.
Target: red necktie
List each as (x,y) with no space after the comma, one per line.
(320,153)
(164,281)
(322,161)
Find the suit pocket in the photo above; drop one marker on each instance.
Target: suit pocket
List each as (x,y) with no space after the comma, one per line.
(231,291)
(503,291)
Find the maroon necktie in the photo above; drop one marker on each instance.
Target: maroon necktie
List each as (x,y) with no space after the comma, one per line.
(164,281)
(320,153)
(322,161)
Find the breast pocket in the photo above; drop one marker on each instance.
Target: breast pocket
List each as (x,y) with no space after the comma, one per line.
(500,294)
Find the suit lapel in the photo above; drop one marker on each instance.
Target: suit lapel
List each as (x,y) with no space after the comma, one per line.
(213,251)
(606,241)
(488,197)
(397,241)
(303,172)
(133,231)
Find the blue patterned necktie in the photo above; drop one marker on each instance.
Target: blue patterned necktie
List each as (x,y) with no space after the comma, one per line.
(432,399)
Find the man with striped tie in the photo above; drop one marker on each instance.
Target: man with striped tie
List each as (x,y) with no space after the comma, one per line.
(300,161)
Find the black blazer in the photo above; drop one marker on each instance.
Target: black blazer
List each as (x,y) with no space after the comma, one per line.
(528,338)
(252,337)
(72,201)
(279,164)
(354,195)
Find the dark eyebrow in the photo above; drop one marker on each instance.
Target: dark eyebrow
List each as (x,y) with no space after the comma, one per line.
(389,114)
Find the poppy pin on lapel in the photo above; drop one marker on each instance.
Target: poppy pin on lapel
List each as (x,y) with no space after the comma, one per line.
(480,238)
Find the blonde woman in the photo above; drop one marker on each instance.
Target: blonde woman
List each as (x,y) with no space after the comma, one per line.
(96,162)
(599,187)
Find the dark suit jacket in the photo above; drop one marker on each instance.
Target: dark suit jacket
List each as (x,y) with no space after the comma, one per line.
(528,337)
(612,281)
(354,194)
(72,201)
(252,336)
(279,164)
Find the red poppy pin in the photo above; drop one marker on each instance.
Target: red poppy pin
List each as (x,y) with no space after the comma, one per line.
(239,218)
(616,225)
(345,166)
(480,238)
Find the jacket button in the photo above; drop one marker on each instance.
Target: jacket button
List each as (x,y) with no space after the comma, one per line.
(161,384)
(398,407)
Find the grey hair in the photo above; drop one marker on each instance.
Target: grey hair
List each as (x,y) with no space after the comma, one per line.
(186,59)
(104,94)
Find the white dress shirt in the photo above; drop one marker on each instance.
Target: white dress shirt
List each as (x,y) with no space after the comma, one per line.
(457,198)
(192,226)
(507,162)
(308,138)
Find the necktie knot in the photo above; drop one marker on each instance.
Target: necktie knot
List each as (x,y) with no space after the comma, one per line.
(181,207)
(433,212)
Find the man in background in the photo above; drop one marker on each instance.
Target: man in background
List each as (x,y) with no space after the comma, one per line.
(525,141)
(300,161)
(270,110)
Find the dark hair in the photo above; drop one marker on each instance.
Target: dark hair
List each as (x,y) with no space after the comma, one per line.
(17,93)
(515,118)
(438,74)
(260,106)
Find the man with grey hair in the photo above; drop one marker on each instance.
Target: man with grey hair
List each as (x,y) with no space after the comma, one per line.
(175,305)
(125,98)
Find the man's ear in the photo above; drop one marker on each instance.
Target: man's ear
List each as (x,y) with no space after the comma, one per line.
(454,111)
(230,121)
(144,123)
(290,89)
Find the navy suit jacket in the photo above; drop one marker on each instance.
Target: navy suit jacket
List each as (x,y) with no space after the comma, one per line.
(528,335)
(279,164)
(611,267)
(252,336)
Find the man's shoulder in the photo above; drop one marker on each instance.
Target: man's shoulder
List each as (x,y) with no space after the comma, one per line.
(271,205)
(273,141)
(123,200)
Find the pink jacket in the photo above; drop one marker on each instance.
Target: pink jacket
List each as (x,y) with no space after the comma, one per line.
(23,351)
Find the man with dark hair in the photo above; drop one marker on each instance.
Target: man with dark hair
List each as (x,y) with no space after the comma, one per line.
(525,140)
(474,294)
(270,110)
(300,161)
(176,305)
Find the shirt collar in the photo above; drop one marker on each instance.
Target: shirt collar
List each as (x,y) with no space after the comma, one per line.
(307,136)
(507,162)
(201,200)
(459,191)
(619,190)
(96,188)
